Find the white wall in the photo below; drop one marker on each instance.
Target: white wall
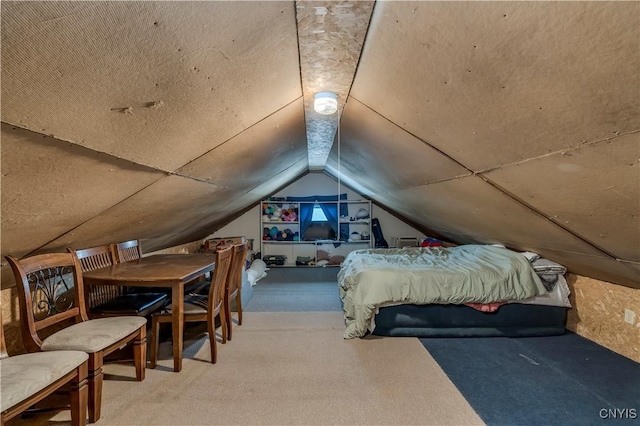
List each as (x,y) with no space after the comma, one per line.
(392,227)
(315,184)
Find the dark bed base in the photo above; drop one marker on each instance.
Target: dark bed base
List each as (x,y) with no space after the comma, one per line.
(511,320)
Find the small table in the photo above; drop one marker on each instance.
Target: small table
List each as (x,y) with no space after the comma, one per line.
(161,270)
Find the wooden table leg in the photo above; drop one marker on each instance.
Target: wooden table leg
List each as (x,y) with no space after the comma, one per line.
(177,324)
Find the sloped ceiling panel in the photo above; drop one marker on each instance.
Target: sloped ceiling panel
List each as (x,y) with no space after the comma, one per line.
(263,151)
(625,273)
(578,188)
(492,83)
(50,186)
(158,83)
(165,211)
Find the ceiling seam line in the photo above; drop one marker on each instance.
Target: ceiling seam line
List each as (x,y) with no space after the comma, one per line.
(560,151)
(295,14)
(538,212)
(236,135)
(280,188)
(574,148)
(364,43)
(415,136)
(304,109)
(86,147)
(145,165)
(353,79)
(197,179)
(93,217)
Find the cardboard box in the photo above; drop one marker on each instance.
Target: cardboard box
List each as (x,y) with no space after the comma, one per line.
(212,243)
(406,242)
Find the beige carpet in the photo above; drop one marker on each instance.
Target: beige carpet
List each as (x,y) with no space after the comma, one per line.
(283,369)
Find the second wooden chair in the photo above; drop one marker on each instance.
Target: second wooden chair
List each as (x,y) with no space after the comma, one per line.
(233,292)
(200,308)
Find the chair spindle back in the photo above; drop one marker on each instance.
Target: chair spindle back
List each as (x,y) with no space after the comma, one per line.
(128,251)
(97,258)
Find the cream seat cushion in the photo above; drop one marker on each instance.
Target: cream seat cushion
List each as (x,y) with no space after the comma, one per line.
(25,375)
(191,308)
(94,335)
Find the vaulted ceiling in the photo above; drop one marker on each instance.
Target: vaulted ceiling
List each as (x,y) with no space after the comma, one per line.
(485,122)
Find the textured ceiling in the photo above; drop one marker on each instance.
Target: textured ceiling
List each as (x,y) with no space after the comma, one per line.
(511,122)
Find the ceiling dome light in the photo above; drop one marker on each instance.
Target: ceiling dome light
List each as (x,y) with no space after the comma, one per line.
(325,103)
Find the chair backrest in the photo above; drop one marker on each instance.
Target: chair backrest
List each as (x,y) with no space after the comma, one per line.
(50,291)
(127,251)
(220,277)
(92,259)
(3,346)
(237,263)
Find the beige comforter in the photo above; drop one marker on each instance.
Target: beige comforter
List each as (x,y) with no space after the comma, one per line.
(370,279)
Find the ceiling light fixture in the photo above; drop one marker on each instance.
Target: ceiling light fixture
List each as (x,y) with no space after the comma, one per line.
(325,103)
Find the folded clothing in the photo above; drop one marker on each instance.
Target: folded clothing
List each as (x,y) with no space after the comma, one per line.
(548,271)
(546,266)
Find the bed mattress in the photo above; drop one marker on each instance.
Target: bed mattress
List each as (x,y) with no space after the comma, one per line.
(511,320)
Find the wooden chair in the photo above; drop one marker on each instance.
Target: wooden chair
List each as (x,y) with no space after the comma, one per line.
(108,301)
(200,308)
(29,378)
(51,294)
(233,291)
(127,251)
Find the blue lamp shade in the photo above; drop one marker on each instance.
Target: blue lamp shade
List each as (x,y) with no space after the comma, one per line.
(325,103)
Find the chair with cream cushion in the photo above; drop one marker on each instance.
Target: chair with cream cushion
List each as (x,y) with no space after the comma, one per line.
(51,294)
(27,379)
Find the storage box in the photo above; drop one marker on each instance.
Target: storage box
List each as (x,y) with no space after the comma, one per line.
(406,242)
(274,259)
(212,243)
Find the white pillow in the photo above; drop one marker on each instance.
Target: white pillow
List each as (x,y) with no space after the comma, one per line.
(531,256)
(256,271)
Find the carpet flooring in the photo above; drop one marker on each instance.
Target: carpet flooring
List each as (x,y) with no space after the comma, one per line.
(558,380)
(296,290)
(295,297)
(290,368)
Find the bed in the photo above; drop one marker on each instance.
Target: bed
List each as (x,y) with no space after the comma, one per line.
(469,290)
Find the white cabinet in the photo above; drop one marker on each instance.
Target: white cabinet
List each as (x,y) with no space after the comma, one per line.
(286,233)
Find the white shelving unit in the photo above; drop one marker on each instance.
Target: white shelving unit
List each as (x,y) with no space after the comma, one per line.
(282,236)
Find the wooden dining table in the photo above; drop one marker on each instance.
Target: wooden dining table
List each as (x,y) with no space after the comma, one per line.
(160,270)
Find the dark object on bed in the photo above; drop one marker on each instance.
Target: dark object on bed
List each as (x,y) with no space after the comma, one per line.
(510,320)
